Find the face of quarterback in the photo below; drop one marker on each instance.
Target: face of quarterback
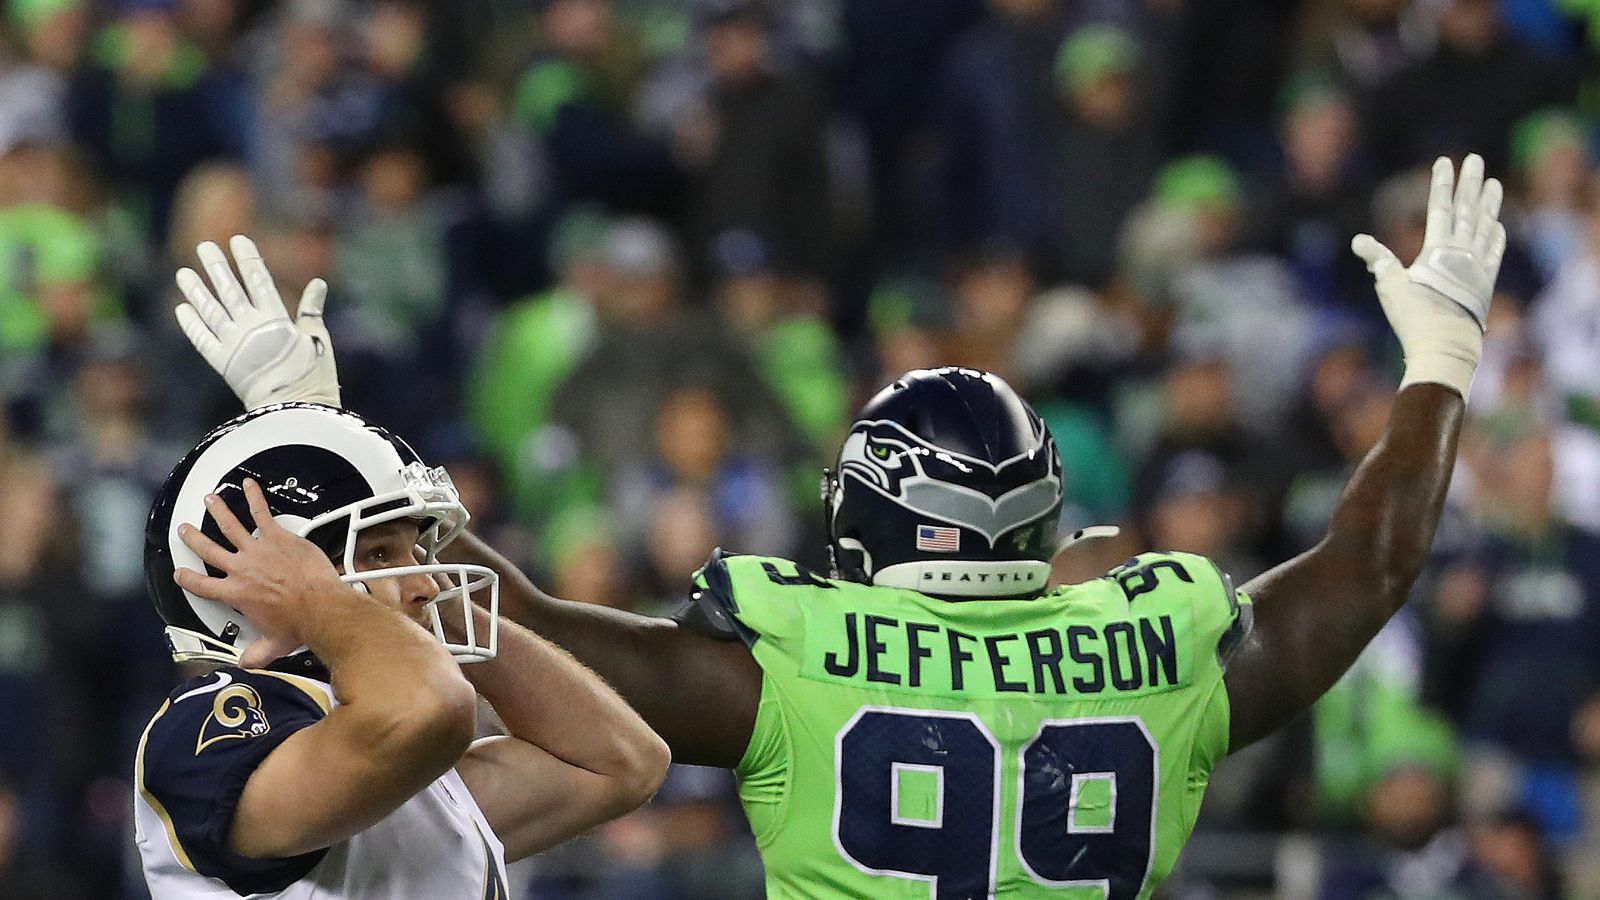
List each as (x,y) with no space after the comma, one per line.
(389,545)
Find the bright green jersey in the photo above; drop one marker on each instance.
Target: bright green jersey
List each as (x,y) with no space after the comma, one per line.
(912,747)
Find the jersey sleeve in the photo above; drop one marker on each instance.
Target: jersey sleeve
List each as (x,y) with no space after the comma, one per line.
(197,755)
(1220,618)
(754,599)
(712,608)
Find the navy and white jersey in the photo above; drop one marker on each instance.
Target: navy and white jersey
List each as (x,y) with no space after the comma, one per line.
(192,765)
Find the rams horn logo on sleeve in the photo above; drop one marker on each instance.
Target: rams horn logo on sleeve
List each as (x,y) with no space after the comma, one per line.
(235,713)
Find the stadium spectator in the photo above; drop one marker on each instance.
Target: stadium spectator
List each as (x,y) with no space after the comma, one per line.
(303,106)
(1469,92)
(1562,323)
(1361,42)
(414,86)
(1225,62)
(754,146)
(910,318)
(1106,127)
(147,75)
(390,260)
(1516,621)
(1550,154)
(1321,199)
(576,96)
(994,107)
(744,491)
(1196,510)
(1201,449)
(991,289)
(583,554)
(33,86)
(893,50)
(604,407)
(531,347)
(112,661)
(776,315)
(1340,425)
(1231,294)
(36,554)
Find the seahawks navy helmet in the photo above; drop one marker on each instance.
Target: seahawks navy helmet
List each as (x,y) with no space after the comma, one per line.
(949,484)
(327,474)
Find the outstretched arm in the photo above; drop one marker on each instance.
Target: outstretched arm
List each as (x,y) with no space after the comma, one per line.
(699,693)
(576,755)
(1315,613)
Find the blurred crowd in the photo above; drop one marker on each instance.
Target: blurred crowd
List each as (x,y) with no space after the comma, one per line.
(626,267)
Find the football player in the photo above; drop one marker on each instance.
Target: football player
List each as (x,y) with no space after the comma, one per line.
(933,720)
(331,753)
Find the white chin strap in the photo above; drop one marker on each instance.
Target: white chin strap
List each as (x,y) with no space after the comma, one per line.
(192,646)
(967,578)
(1088,533)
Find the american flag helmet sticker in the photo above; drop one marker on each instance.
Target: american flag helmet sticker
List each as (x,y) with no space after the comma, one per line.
(938,539)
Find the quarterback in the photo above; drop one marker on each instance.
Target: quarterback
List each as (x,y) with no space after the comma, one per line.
(931,718)
(331,754)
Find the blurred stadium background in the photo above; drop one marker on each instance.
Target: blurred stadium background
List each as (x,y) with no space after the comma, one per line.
(627,267)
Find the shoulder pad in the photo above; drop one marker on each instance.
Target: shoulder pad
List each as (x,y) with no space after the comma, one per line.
(1191,580)
(748,597)
(199,751)
(711,608)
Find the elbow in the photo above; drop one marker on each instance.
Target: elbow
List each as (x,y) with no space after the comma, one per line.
(1383,564)
(1394,581)
(643,769)
(1395,564)
(432,725)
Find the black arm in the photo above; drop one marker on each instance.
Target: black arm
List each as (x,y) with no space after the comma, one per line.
(699,693)
(1315,613)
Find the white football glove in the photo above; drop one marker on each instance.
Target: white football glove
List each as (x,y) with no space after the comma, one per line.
(265,356)
(1438,307)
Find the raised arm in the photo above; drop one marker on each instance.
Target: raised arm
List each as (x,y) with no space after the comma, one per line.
(576,756)
(699,693)
(1315,613)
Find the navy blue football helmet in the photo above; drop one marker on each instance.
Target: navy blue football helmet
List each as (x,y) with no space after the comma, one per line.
(948,484)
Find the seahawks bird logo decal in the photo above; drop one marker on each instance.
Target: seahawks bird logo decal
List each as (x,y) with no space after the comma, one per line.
(991,499)
(235,713)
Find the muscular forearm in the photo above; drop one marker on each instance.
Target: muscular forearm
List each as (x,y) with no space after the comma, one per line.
(1383,526)
(1315,613)
(539,691)
(403,720)
(394,681)
(699,694)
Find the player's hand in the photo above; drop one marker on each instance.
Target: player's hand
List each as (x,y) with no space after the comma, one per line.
(272,576)
(1439,305)
(245,333)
